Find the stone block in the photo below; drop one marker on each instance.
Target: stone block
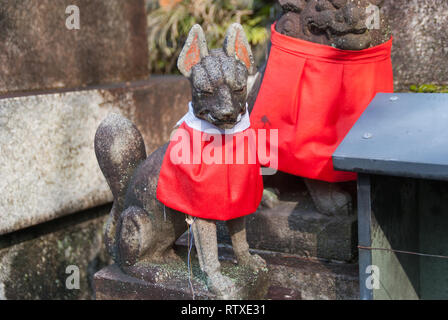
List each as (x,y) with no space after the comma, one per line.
(420,50)
(171,282)
(295,226)
(47,162)
(311,279)
(33,261)
(292,277)
(38,51)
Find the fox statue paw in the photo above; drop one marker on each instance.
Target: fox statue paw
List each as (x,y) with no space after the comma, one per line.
(252,261)
(222,286)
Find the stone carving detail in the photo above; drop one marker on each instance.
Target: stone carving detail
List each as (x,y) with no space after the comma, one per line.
(344,24)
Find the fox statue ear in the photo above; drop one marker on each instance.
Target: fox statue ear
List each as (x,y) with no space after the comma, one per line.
(237,46)
(195,48)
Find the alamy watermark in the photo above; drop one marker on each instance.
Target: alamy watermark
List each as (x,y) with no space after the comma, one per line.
(246,147)
(73,21)
(72,281)
(373,17)
(373,280)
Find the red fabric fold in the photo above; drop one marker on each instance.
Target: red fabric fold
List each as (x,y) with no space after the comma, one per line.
(313,94)
(225,186)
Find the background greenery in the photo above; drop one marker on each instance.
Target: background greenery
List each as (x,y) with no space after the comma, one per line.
(168,26)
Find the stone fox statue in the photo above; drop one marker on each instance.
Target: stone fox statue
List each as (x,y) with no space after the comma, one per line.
(315,97)
(140,228)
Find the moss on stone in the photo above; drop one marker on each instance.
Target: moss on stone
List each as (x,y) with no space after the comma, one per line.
(177,274)
(35,267)
(429,88)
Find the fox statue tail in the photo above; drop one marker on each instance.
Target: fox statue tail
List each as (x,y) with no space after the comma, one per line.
(119,149)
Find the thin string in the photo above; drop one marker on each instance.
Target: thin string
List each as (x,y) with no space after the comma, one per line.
(190,244)
(404,252)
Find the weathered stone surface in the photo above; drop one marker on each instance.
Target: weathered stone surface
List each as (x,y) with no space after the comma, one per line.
(310,279)
(171,281)
(296,278)
(47,162)
(295,226)
(420,51)
(37,51)
(340,24)
(33,261)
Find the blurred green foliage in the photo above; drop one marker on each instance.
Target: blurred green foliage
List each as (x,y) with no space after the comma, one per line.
(168,27)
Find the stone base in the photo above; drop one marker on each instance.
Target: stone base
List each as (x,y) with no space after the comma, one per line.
(292,277)
(171,282)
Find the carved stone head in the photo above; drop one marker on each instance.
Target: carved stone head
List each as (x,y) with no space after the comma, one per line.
(343,24)
(218,77)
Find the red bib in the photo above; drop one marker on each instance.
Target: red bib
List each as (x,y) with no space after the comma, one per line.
(211,175)
(313,94)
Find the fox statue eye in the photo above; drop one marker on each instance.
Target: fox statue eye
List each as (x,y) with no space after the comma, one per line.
(206,92)
(239,90)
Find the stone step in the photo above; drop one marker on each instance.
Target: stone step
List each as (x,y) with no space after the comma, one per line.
(174,281)
(294,278)
(295,226)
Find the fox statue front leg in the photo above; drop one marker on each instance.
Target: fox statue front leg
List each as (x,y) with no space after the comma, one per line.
(206,243)
(237,231)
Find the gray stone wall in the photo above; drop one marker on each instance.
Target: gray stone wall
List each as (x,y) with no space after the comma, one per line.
(33,261)
(38,52)
(420,49)
(48,165)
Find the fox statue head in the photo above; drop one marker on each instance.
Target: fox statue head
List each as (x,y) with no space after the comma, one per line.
(343,24)
(218,77)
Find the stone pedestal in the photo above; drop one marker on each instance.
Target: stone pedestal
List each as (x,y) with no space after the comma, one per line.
(172,281)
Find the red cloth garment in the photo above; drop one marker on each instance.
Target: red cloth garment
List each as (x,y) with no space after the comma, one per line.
(313,94)
(209,173)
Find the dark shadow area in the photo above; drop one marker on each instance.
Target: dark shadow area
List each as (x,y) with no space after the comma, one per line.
(395,224)
(52,226)
(411,215)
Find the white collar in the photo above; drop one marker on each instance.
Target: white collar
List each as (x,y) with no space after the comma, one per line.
(201,125)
